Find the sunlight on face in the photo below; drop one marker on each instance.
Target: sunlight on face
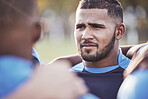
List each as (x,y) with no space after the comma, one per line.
(94,33)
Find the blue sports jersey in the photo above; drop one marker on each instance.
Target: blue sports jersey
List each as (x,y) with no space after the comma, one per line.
(89,96)
(36,58)
(135,86)
(104,82)
(14,71)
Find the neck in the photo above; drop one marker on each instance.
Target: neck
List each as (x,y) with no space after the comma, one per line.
(16,48)
(110,60)
(19,53)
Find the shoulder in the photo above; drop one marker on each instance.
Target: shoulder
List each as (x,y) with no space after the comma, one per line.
(138,82)
(36,57)
(78,67)
(14,71)
(123,61)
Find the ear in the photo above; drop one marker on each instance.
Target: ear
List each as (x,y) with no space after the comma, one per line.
(120,31)
(36,32)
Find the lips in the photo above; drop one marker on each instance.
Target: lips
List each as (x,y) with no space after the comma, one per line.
(88,45)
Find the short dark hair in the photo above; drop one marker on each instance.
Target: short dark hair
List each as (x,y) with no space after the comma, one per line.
(12,11)
(113,7)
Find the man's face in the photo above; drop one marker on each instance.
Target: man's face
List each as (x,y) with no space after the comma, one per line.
(94,33)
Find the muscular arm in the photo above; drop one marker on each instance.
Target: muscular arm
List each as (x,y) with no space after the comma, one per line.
(75,59)
(134,50)
(139,60)
(127,50)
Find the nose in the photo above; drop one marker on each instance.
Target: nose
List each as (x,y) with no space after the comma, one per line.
(87,34)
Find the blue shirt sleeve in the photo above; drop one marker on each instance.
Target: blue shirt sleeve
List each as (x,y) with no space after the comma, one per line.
(14,71)
(89,96)
(135,86)
(36,57)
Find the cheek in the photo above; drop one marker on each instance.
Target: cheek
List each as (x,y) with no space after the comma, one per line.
(103,39)
(77,38)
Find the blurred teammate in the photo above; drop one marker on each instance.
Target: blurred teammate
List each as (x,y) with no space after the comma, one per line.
(135,84)
(19,30)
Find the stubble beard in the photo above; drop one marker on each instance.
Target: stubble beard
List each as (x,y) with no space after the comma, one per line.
(97,55)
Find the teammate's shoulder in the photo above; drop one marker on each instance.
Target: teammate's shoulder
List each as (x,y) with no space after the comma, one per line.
(78,67)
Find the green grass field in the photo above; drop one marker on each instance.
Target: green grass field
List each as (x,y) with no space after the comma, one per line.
(49,51)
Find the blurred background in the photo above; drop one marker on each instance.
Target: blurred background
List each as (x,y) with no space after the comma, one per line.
(59,16)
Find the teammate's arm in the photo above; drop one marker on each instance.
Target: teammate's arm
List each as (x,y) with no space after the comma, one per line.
(75,59)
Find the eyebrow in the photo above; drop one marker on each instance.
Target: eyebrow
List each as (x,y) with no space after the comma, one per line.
(80,24)
(96,24)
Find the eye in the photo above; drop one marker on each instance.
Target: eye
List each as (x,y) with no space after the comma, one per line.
(95,26)
(80,27)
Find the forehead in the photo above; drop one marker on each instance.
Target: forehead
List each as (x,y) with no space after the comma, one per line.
(93,16)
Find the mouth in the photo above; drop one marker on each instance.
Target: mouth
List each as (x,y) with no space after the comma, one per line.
(89,45)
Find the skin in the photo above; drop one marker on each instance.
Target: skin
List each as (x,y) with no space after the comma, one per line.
(21,36)
(139,61)
(135,77)
(43,85)
(46,82)
(75,59)
(97,26)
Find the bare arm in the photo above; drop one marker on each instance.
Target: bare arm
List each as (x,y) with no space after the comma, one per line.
(75,59)
(139,60)
(127,50)
(134,50)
